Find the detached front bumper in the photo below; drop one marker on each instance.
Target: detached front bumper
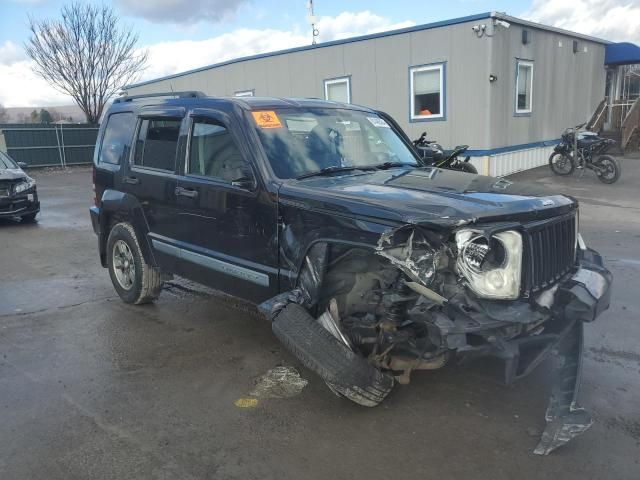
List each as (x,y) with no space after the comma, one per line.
(578,299)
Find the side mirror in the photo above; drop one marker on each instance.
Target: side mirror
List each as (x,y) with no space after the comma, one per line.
(23,164)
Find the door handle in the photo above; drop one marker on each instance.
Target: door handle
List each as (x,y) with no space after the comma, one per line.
(186,192)
(131,180)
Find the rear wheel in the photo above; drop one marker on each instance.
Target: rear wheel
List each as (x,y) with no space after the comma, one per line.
(344,371)
(561,164)
(608,169)
(134,279)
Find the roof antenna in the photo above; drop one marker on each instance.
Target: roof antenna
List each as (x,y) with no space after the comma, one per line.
(312,21)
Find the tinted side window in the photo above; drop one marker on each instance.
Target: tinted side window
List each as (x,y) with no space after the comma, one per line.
(214,154)
(116,141)
(157,143)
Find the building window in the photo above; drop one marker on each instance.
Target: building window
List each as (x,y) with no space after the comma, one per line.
(338,90)
(244,93)
(427,92)
(524,86)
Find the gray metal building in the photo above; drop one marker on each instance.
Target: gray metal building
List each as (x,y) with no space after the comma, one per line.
(505,86)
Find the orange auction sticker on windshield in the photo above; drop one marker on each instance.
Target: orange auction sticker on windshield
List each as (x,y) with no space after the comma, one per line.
(267,119)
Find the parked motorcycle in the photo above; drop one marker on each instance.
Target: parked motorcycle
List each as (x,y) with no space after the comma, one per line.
(433,154)
(581,149)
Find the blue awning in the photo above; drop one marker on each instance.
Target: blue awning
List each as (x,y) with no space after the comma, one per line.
(622,53)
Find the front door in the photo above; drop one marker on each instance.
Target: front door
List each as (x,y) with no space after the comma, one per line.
(227,222)
(151,176)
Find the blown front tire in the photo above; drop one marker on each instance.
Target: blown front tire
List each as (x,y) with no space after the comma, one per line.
(343,370)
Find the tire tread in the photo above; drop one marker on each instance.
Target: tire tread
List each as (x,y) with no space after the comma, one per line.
(344,370)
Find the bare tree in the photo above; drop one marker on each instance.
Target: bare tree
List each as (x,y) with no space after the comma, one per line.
(85,54)
(4,116)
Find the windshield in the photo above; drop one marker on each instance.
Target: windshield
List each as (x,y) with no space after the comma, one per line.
(6,162)
(299,143)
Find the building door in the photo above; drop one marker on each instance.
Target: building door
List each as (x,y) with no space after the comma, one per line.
(227,227)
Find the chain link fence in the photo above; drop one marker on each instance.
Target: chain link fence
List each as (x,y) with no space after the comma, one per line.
(49,145)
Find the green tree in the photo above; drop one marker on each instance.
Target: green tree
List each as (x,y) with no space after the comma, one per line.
(35,117)
(45,116)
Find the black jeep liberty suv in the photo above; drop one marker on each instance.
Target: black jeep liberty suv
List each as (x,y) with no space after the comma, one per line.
(368,263)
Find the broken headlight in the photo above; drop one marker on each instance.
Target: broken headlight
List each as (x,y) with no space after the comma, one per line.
(27,184)
(492,266)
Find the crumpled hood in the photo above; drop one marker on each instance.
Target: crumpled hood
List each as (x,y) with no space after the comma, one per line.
(12,174)
(426,196)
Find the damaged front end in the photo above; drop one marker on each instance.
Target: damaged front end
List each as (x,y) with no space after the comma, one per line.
(421,298)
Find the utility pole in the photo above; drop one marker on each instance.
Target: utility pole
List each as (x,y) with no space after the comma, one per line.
(312,21)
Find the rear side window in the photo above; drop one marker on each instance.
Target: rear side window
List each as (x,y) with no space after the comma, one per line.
(116,141)
(157,143)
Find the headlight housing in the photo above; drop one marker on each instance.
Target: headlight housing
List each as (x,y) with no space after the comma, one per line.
(492,266)
(27,184)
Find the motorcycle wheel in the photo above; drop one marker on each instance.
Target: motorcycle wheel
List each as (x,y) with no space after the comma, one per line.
(608,169)
(467,167)
(561,164)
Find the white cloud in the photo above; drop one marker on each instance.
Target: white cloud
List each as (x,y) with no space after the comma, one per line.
(173,57)
(349,24)
(180,11)
(10,53)
(19,86)
(615,20)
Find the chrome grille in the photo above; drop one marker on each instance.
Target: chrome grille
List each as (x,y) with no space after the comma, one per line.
(550,251)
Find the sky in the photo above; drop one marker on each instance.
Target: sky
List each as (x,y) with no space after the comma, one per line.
(184,34)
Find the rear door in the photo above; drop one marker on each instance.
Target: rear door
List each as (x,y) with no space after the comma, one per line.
(151,175)
(227,221)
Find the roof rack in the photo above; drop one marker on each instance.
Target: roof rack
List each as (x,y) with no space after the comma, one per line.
(186,94)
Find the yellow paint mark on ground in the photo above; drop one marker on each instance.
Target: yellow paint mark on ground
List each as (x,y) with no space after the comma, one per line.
(246,402)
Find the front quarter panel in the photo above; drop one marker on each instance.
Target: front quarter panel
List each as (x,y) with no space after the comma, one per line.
(301,227)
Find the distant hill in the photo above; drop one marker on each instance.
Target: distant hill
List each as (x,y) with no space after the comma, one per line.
(21,114)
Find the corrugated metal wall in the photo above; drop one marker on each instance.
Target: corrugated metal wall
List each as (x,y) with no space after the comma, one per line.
(49,145)
(379,72)
(511,162)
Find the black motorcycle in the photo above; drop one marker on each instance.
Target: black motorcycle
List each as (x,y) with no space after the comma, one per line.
(580,150)
(433,154)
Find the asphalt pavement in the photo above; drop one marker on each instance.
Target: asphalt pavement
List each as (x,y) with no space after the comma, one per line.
(91,388)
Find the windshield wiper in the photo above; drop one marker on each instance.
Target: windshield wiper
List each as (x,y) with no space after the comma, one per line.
(388,165)
(332,169)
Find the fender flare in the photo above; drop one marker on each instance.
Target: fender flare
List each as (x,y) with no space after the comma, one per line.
(119,203)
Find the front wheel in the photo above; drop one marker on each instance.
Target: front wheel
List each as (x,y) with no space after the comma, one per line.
(561,164)
(133,278)
(608,169)
(468,167)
